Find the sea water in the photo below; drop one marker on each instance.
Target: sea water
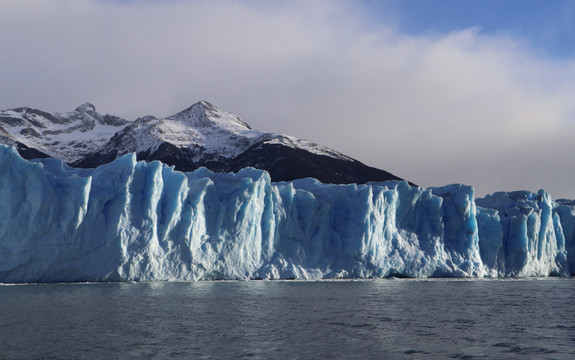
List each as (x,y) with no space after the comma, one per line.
(377,319)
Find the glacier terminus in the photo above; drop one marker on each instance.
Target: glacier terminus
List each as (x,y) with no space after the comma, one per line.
(131,220)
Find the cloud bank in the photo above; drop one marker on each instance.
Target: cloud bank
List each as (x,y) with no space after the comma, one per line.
(435,109)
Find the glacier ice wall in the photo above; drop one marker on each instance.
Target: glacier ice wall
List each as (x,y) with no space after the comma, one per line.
(130,220)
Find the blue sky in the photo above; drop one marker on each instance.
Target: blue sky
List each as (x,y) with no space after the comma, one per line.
(437,92)
(548,26)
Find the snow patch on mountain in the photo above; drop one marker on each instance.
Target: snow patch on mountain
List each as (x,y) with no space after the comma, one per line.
(69,136)
(295,143)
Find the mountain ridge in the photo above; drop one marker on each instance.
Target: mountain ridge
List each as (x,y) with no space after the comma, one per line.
(201,135)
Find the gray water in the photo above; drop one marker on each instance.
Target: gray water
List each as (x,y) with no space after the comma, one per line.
(380,319)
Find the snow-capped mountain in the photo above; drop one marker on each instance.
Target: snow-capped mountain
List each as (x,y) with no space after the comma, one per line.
(199,136)
(69,137)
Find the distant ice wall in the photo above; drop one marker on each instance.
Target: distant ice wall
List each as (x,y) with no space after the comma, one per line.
(130,220)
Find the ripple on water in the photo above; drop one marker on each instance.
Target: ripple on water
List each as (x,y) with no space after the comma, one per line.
(279,320)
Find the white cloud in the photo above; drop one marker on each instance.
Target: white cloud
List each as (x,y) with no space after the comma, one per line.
(460,107)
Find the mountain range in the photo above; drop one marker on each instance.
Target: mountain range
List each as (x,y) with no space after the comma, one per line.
(199,136)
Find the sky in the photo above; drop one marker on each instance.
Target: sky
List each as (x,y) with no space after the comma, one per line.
(436,92)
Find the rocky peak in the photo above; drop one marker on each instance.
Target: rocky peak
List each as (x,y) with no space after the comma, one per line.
(86,107)
(203,114)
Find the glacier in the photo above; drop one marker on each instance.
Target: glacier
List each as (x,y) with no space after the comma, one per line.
(138,221)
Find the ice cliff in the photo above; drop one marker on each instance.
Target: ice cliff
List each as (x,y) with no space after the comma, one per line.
(130,220)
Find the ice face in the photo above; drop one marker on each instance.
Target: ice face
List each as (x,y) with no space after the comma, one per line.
(130,220)
(524,235)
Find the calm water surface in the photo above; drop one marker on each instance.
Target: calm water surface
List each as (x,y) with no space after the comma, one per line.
(382,319)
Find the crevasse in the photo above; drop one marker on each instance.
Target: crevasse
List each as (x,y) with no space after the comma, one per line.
(137,221)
